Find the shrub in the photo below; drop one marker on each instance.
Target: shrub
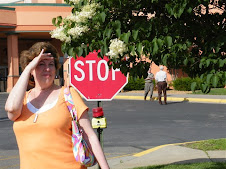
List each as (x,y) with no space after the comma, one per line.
(135,83)
(183,84)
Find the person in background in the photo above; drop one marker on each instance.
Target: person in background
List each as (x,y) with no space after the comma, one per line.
(149,86)
(161,80)
(42,121)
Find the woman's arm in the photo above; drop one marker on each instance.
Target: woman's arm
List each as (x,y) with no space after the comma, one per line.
(92,139)
(14,102)
(15,99)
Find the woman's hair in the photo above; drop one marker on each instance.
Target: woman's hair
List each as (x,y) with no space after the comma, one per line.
(27,56)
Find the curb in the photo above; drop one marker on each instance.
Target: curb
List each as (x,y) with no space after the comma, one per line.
(142,153)
(185,99)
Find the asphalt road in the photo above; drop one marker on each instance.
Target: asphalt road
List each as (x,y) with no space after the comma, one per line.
(134,126)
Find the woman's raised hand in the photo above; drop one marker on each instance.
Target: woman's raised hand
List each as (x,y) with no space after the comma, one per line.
(32,65)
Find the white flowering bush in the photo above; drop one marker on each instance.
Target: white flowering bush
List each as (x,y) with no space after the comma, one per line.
(117,47)
(155,29)
(88,19)
(59,33)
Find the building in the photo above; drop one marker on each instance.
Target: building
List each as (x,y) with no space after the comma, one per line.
(22,23)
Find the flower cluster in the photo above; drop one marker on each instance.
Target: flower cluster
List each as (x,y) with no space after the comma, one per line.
(87,12)
(58,33)
(116,47)
(77,31)
(74,1)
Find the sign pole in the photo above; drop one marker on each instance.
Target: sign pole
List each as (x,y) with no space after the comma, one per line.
(100,130)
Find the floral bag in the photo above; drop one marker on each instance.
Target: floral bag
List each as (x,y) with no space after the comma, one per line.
(81,151)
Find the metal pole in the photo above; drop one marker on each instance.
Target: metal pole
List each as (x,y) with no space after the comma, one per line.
(100,131)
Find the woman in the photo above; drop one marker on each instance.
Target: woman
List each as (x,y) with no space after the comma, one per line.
(42,122)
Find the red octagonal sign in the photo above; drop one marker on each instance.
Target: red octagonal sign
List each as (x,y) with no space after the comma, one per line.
(93,79)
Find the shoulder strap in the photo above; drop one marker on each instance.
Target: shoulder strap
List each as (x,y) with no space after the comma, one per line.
(70,104)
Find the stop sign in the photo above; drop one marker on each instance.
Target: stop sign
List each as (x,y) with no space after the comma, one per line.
(93,79)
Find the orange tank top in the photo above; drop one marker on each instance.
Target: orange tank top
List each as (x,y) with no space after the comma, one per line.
(46,144)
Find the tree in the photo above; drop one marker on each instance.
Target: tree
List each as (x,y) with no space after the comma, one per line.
(180,34)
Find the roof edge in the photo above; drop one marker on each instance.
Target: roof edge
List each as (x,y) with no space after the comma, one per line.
(6,8)
(33,4)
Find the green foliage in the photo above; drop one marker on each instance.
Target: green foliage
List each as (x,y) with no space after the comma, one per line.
(135,83)
(193,84)
(182,34)
(183,84)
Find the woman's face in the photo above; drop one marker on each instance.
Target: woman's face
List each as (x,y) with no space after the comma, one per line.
(45,72)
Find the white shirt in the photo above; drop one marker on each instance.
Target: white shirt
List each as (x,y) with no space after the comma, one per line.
(160,76)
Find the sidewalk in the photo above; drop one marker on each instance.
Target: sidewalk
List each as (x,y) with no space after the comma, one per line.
(166,154)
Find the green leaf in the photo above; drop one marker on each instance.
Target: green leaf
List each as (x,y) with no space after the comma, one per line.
(118,32)
(160,43)
(108,32)
(184,47)
(79,51)
(59,20)
(168,41)
(102,51)
(86,50)
(135,34)
(125,37)
(208,78)
(202,76)
(90,48)
(103,16)
(105,47)
(71,52)
(222,62)
(99,34)
(54,21)
(169,9)
(189,10)
(181,10)
(164,59)
(200,65)
(64,48)
(205,88)
(117,24)
(155,48)
(215,80)
(208,62)
(139,48)
(193,86)
(132,49)
(185,61)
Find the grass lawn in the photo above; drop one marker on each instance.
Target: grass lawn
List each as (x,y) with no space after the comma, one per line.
(207,165)
(213,91)
(207,145)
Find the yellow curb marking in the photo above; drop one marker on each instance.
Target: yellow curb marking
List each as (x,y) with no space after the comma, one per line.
(176,99)
(158,147)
